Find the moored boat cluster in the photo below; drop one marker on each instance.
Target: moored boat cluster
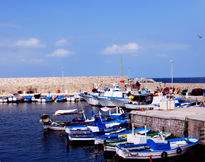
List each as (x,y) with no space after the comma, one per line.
(141,99)
(118,136)
(22,98)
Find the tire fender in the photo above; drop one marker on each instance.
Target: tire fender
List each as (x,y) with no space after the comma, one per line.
(164,154)
(179,150)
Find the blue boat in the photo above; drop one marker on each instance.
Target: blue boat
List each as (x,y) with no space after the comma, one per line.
(156,149)
(119,135)
(28,98)
(101,126)
(45,99)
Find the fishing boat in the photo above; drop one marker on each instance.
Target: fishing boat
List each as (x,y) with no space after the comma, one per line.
(110,144)
(156,149)
(140,100)
(45,99)
(110,97)
(71,98)
(92,98)
(16,98)
(60,99)
(103,124)
(54,125)
(113,97)
(119,135)
(27,98)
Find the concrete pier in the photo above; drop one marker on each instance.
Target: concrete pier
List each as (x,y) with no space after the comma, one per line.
(181,121)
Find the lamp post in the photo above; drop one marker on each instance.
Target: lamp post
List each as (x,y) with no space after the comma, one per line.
(172,79)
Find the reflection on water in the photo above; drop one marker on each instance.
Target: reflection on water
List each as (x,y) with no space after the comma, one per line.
(22,137)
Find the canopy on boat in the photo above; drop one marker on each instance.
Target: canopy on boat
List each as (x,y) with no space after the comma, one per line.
(105,109)
(66,112)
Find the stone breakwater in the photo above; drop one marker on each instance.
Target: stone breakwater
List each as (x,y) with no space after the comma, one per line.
(73,84)
(52,84)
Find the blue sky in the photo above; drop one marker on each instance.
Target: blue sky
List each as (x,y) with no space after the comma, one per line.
(40,38)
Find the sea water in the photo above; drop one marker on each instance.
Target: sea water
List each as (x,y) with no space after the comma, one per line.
(181,80)
(22,138)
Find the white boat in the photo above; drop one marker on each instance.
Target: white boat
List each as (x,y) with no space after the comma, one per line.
(144,101)
(113,97)
(71,99)
(156,149)
(45,99)
(105,101)
(139,107)
(91,99)
(4,100)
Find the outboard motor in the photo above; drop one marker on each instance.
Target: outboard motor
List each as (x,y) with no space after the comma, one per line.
(45,118)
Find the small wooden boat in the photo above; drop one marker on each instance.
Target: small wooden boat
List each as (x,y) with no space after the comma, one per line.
(156,149)
(54,125)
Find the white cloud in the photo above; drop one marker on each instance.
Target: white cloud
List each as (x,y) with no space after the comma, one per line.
(32,42)
(122,49)
(60,53)
(61,42)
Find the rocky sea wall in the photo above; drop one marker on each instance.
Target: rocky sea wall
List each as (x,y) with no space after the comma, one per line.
(74,84)
(54,84)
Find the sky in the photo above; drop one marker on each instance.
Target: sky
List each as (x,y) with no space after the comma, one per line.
(51,38)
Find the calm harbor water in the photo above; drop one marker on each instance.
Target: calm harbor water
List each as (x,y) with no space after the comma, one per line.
(22,137)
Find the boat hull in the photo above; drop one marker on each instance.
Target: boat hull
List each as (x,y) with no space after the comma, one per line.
(92,100)
(171,148)
(56,128)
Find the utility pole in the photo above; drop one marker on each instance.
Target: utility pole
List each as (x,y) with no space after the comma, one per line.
(172,78)
(62,80)
(121,67)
